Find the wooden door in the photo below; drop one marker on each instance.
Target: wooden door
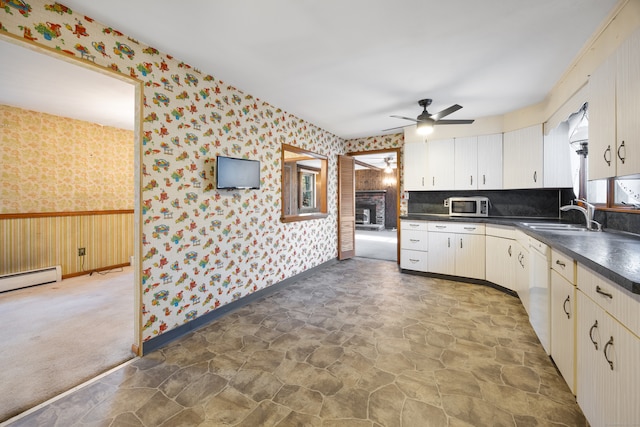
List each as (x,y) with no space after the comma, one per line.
(346,208)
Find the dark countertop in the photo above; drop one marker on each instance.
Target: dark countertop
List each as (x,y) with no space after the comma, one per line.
(612,254)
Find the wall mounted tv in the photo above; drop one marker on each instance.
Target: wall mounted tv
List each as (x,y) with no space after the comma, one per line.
(232,173)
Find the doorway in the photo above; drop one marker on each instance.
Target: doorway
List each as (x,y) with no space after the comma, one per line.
(377,204)
(33,80)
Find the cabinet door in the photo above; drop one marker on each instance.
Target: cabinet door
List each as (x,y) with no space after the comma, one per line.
(500,267)
(608,376)
(466,163)
(490,162)
(440,164)
(415,166)
(563,317)
(523,158)
(628,106)
(522,275)
(589,345)
(558,171)
(602,121)
(470,255)
(442,253)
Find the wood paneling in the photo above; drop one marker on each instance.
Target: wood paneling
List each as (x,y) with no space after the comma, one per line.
(28,243)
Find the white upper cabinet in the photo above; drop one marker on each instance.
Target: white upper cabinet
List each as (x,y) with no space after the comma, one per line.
(466,163)
(523,158)
(614,106)
(440,164)
(628,107)
(557,158)
(490,162)
(602,121)
(415,166)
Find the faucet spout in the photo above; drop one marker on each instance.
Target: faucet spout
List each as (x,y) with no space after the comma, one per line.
(587,212)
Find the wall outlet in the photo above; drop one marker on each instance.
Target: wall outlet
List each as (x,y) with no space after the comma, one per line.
(82,251)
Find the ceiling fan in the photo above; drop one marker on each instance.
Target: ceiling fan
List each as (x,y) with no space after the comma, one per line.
(425,121)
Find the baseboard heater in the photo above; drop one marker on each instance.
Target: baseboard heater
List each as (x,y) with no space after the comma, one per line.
(23,279)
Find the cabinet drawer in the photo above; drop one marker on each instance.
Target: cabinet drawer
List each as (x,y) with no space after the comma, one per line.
(615,300)
(413,260)
(413,225)
(461,228)
(564,265)
(499,231)
(414,240)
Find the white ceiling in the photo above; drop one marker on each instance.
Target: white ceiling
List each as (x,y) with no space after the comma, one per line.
(346,66)
(39,82)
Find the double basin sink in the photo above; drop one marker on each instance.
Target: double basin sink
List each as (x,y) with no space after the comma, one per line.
(554,227)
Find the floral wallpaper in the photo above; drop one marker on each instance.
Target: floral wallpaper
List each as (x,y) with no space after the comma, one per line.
(57,164)
(372,143)
(201,248)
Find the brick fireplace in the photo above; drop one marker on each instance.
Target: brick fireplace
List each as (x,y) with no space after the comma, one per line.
(374,202)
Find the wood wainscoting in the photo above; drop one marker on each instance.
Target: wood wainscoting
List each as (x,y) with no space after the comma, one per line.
(38,240)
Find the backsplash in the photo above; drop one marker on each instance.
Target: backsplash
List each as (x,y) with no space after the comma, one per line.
(537,203)
(621,221)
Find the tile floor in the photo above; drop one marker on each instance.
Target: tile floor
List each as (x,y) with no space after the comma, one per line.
(355,344)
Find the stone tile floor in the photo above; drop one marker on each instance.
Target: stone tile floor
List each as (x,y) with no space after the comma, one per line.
(355,343)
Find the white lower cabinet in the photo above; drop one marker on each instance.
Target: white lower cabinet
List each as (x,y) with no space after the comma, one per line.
(608,377)
(563,324)
(413,245)
(522,273)
(457,249)
(442,246)
(500,256)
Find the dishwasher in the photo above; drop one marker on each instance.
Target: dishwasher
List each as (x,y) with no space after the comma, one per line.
(539,291)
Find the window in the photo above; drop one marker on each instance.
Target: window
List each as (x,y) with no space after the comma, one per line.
(304,184)
(307,191)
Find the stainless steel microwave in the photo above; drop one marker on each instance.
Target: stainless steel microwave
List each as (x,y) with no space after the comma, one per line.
(468,206)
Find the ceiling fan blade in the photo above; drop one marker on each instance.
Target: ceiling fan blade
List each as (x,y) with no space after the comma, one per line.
(454,122)
(399,127)
(446,112)
(405,118)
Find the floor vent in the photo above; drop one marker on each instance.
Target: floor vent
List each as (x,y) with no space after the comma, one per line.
(24,279)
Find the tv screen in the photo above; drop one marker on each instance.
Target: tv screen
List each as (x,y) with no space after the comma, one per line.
(232,173)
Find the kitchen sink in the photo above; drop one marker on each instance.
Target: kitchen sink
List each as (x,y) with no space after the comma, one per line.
(540,226)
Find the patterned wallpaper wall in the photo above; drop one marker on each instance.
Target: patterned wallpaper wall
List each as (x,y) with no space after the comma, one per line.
(57,164)
(372,143)
(201,248)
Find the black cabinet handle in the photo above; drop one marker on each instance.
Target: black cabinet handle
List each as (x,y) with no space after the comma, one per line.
(601,292)
(595,326)
(509,251)
(471,183)
(448,242)
(625,152)
(535,176)
(560,263)
(460,243)
(484,179)
(608,150)
(606,356)
(564,307)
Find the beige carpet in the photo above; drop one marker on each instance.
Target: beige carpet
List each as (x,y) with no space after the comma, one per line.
(377,244)
(56,336)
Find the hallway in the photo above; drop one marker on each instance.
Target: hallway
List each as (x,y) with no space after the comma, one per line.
(355,343)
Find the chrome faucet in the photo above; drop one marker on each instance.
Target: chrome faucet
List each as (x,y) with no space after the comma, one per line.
(587,212)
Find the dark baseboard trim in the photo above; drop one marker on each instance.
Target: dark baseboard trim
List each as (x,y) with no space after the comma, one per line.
(462,279)
(164,339)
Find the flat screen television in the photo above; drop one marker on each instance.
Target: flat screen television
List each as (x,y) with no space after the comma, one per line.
(232,173)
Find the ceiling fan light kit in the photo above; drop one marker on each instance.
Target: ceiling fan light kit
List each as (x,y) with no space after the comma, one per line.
(424,127)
